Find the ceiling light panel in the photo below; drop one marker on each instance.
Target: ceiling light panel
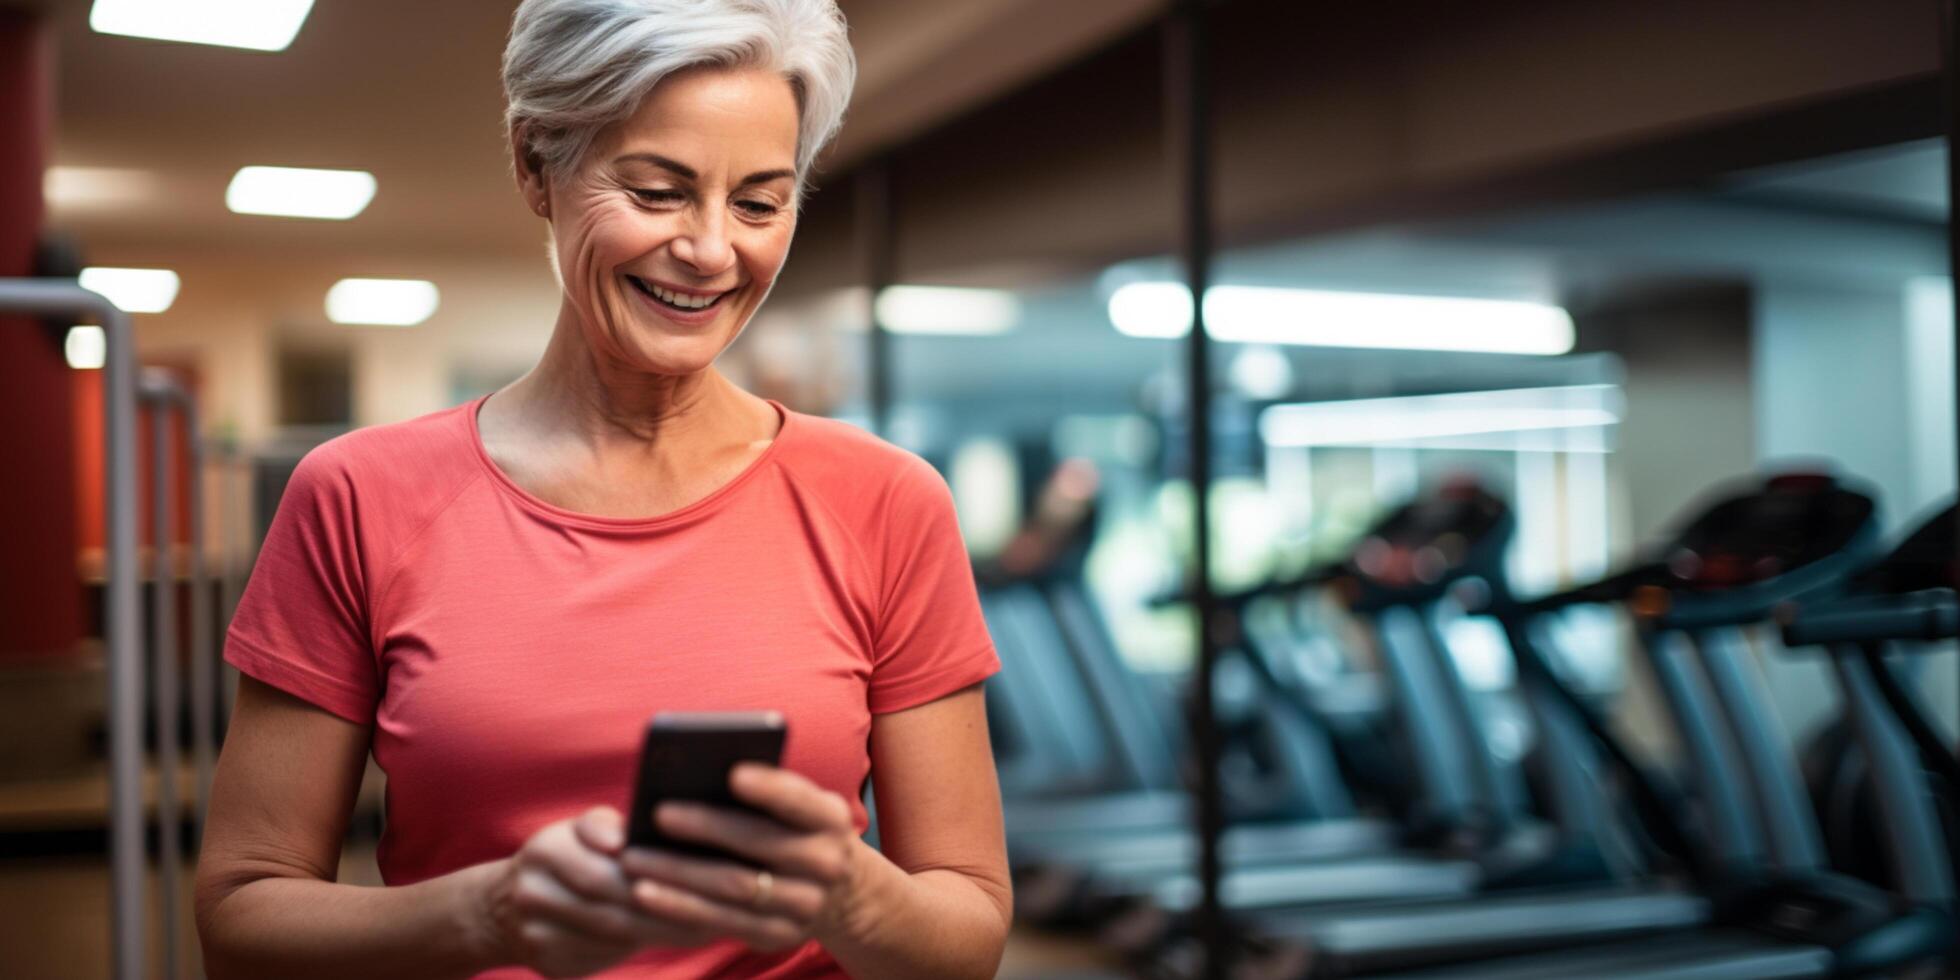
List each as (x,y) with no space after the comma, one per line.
(133,290)
(96,187)
(1328,318)
(947,311)
(259,25)
(296,192)
(382,302)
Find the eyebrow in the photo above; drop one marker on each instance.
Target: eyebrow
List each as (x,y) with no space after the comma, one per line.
(686,172)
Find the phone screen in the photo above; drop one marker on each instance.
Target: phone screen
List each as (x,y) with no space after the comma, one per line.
(687,756)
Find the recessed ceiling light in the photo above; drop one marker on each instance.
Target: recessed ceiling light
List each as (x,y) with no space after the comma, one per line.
(1325,318)
(133,290)
(261,25)
(87,347)
(382,302)
(297,192)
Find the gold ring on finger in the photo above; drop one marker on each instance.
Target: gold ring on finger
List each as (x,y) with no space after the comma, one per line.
(764,884)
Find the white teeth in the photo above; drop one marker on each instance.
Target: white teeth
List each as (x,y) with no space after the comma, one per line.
(680,299)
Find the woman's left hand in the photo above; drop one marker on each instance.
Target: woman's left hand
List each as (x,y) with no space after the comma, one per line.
(807,855)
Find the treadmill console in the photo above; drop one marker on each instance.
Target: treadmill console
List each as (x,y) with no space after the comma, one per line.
(1792,522)
(1458,530)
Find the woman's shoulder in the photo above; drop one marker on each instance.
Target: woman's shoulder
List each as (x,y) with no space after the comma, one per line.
(424,453)
(836,451)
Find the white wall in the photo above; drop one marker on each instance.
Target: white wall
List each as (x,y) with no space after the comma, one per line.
(1831,383)
(1861,374)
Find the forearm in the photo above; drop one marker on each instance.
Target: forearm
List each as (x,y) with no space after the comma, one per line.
(940,923)
(302,927)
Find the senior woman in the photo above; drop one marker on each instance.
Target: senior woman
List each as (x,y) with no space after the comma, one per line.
(495,597)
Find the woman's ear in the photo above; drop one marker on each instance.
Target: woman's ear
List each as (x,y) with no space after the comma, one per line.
(531,181)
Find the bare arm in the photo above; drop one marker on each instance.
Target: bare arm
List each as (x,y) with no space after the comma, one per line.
(267,904)
(937,901)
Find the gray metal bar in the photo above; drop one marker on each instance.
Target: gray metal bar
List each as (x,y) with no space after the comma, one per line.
(1733,835)
(164,396)
(1912,826)
(1575,775)
(234,552)
(203,654)
(1500,788)
(1789,821)
(1442,773)
(63,297)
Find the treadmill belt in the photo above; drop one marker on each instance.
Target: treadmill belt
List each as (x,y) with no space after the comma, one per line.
(1715,954)
(1374,879)
(1170,849)
(1404,937)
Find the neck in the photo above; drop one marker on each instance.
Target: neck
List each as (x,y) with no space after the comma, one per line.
(581,393)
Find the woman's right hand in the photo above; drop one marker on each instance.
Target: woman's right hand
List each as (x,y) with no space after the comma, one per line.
(563,907)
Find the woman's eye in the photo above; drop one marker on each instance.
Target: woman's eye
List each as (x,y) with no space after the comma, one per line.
(759,209)
(656,196)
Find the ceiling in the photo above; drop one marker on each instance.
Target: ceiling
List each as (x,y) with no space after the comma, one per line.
(410,92)
(1906,181)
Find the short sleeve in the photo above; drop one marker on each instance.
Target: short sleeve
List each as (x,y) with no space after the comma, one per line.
(930,638)
(302,624)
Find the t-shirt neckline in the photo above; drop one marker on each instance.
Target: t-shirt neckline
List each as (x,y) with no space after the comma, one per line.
(563,515)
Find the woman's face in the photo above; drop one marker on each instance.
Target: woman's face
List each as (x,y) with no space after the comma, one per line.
(671,232)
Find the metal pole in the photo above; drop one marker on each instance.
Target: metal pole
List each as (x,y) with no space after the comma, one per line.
(162,395)
(1186,91)
(878,251)
(1951,77)
(62,297)
(203,658)
(234,554)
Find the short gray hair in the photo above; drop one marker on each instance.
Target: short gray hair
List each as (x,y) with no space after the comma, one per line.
(573,67)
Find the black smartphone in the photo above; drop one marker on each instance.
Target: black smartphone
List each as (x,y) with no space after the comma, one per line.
(687,756)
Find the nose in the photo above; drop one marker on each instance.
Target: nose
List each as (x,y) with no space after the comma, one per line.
(704,246)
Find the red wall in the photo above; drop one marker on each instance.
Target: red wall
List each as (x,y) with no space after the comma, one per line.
(40,594)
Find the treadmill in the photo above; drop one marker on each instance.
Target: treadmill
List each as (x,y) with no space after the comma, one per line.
(1582,891)
(1471,810)
(1298,818)
(1125,792)
(1777,911)
(1145,882)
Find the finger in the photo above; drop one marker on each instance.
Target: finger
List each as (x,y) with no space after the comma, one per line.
(789,797)
(543,898)
(764,932)
(602,829)
(793,898)
(766,842)
(590,874)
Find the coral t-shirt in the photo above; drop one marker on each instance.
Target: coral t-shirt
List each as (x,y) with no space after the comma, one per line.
(508,652)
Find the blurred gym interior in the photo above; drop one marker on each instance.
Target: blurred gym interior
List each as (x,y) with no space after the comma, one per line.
(1549,573)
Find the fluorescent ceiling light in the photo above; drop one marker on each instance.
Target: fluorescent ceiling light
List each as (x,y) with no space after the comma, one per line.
(133,290)
(1325,318)
(84,187)
(87,347)
(295,192)
(1387,421)
(382,302)
(261,25)
(947,311)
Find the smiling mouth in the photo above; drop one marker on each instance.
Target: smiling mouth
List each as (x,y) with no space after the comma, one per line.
(681,302)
